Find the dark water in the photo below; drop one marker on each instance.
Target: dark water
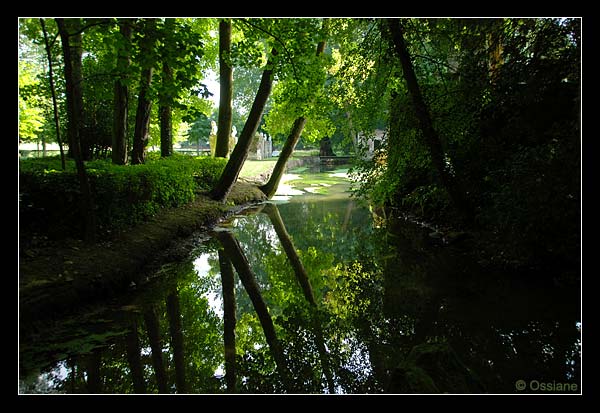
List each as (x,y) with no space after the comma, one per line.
(353,306)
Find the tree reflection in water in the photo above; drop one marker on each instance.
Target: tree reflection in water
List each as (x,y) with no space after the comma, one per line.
(325,303)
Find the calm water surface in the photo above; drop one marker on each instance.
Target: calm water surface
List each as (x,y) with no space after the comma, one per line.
(313,293)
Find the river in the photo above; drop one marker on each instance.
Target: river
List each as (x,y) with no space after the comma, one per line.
(315,293)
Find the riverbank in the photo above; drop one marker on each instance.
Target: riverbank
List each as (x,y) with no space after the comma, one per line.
(57,276)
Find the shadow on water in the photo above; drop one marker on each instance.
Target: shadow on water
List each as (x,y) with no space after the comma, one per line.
(310,296)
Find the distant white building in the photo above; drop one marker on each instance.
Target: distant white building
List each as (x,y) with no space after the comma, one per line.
(369,143)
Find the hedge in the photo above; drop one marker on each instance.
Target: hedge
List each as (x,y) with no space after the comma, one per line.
(123,194)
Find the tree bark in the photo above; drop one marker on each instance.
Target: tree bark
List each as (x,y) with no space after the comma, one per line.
(142,115)
(53,93)
(226,89)
(174,314)
(132,342)
(240,152)
(72,52)
(238,259)
(153,329)
(229,321)
(166,117)
(423,116)
(121,97)
(270,187)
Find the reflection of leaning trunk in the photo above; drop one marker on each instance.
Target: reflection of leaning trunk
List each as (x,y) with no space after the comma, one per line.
(236,255)
(229,321)
(302,276)
(153,329)
(174,314)
(134,359)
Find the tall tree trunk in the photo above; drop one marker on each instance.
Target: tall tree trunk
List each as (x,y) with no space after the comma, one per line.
(423,116)
(238,259)
(132,343)
(166,117)
(70,36)
(166,99)
(121,96)
(302,276)
(229,321)
(153,328)
(240,152)
(174,314)
(53,93)
(142,115)
(270,187)
(226,89)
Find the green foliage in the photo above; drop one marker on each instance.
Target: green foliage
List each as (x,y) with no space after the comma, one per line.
(30,113)
(503,95)
(123,195)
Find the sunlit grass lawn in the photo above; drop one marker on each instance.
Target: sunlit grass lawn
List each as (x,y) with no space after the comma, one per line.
(253,168)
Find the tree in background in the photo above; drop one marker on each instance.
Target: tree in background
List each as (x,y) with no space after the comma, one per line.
(70,34)
(147,56)
(121,93)
(226,89)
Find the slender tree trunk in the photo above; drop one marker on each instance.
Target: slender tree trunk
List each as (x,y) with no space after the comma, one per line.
(238,259)
(423,116)
(226,89)
(153,328)
(302,276)
(132,342)
(174,314)
(166,123)
(229,321)
(240,152)
(142,115)
(72,51)
(166,99)
(53,93)
(121,96)
(270,187)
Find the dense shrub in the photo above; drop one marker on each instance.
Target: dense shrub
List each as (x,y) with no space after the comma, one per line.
(123,195)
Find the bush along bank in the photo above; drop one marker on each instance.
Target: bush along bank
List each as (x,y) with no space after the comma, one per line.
(63,274)
(123,195)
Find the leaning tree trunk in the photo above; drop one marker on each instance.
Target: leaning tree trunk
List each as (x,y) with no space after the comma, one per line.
(70,36)
(121,96)
(53,93)
(270,187)
(240,152)
(226,89)
(426,125)
(142,115)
